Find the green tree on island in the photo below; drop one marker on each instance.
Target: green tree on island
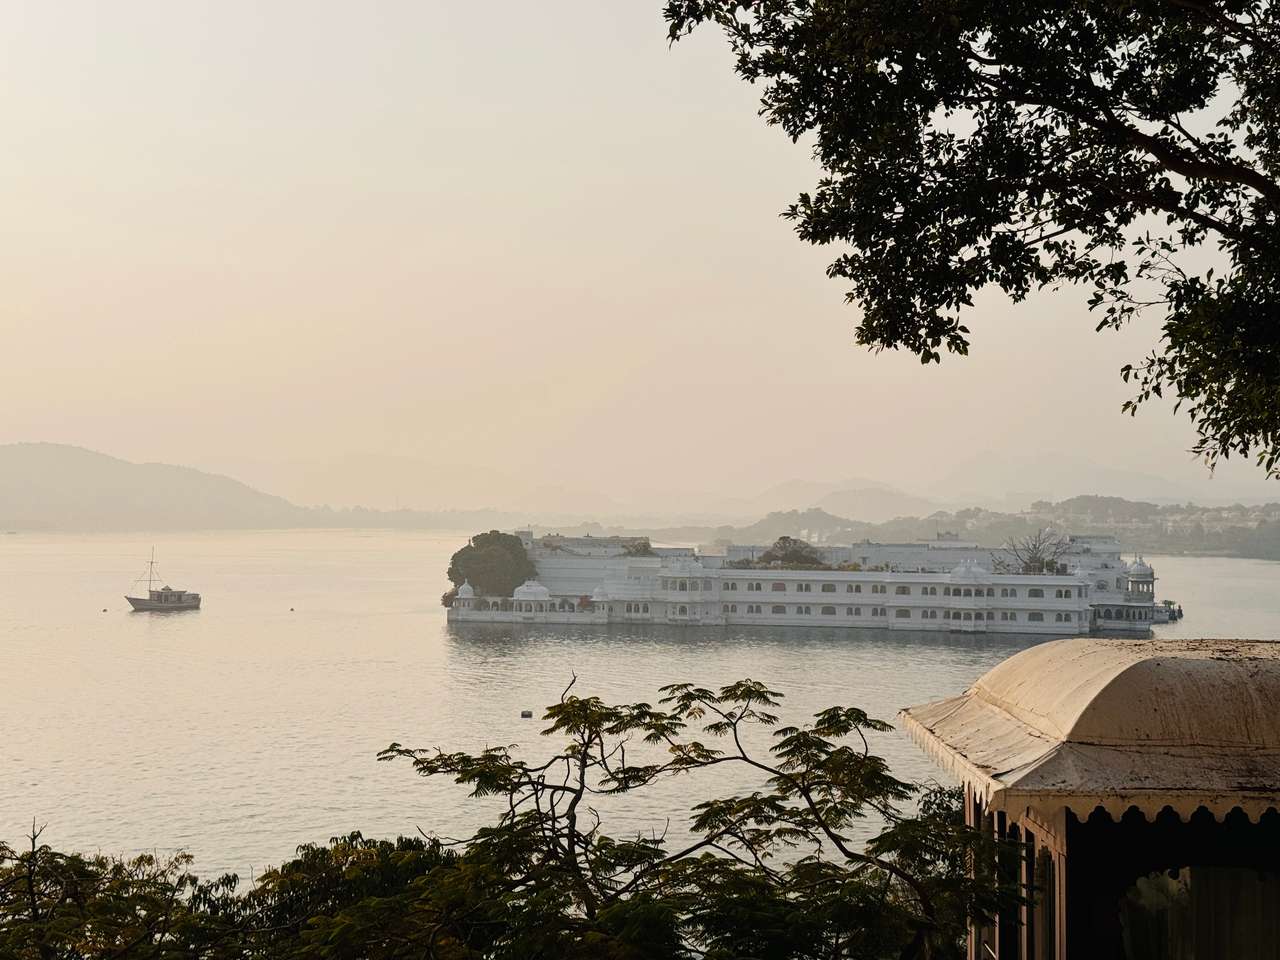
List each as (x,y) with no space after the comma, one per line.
(791,552)
(494,563)
(771,871)
(1024,145)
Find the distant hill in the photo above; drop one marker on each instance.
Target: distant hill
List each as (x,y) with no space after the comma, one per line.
(49,486)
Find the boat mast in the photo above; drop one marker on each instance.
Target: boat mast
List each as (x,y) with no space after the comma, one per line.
(151,570)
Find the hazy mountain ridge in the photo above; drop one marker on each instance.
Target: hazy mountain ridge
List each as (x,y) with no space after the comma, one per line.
(53,487)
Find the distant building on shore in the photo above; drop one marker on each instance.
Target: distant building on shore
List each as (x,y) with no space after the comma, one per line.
(946,584)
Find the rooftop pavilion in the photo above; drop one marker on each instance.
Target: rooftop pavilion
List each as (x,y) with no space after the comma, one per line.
(1137,783)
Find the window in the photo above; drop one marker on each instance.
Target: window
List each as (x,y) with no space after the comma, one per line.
(693,584)
(1035,592)
(779,608)
(804,588)
(706,584)
(733,608)
(829,611)
(853,588)
(804,610)
(684,585)
(902,614)
(828,588)
(991,591)
(724,608)
(1013,591)
(733,585)
(1036,617)
(778,587)
(990,615)
(848,611)
(903,591)
(878,588)
(946,591)
(968,616)
(645,608)
(1004,591)
(968,592)
(1013,615)
(879,612)
(1004,614)
(683,611)
(628,608)
(857,611)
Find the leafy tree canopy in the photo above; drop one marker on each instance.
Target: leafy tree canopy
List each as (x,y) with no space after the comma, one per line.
(790,552)
(494,563)
(771,872)
(975,143)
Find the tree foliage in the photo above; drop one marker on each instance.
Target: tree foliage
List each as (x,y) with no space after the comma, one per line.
(494,563)
(976,143)
(1039,552)
(771,871)
(791,552)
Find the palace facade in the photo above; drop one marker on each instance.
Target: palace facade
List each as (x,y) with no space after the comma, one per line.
(895,586)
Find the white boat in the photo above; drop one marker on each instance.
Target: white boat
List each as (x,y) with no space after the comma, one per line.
(166,598)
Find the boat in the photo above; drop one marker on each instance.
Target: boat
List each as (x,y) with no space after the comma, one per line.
(165,599)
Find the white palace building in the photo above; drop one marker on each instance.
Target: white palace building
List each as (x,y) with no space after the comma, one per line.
(937,585)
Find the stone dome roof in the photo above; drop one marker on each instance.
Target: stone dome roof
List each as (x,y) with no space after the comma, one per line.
(1117,723)
(600,594)
(466,591)
(531,590)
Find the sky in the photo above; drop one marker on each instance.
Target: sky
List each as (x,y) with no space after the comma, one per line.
(432,254)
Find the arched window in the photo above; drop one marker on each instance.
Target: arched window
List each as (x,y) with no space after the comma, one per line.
(829,611)
(1035,592)
(968,592)
(1013,591)
(684,585)
(828,588)
(991,591)
(724,608)
(968,616)
(683,611)
(946,591)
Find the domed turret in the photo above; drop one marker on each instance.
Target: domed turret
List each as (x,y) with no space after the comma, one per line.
(531,590)
(466,591)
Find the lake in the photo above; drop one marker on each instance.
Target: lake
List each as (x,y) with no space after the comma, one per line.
(248,727)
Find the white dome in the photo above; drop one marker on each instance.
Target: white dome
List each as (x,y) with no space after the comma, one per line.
(466,592)
(1140,568)
(600,593)
(968,570)
(531,590)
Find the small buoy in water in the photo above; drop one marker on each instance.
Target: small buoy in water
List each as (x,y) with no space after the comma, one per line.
(526,714)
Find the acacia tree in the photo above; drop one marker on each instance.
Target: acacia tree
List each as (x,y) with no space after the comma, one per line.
(969,143)
(773,872)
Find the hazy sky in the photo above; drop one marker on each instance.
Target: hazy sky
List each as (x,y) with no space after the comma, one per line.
(426,251)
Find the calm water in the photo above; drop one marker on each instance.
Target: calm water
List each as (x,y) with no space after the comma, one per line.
(248,727)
